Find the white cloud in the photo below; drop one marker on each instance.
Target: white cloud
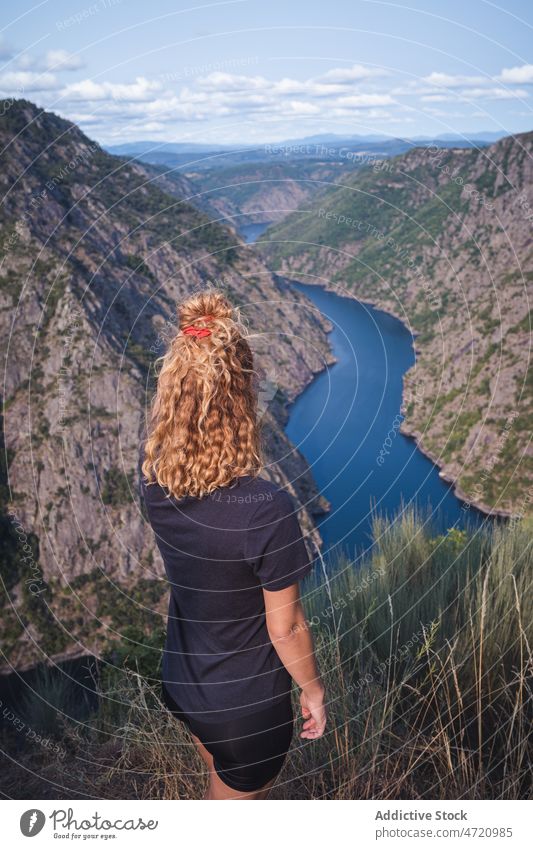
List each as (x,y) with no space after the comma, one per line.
(363,114)
(342,94)
(223,81)
(335,81)
(341,91)
(301,107)
(85,118)
(454,80)
(141,90)
(168,110)
(288,86)
(444,113)
(493,93)
(475,86)
(53,60)
(353,74)
(62,60)
(221,94)
(365,100)
(520,74)
(161,109)
(26,61)
(22,82)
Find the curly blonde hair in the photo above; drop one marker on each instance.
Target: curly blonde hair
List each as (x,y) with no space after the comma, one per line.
(203,431)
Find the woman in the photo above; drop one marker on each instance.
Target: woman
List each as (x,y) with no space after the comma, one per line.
(233,553)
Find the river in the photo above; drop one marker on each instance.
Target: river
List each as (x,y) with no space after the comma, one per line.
(346,424)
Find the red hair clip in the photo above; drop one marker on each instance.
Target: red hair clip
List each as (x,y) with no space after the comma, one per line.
(199,332)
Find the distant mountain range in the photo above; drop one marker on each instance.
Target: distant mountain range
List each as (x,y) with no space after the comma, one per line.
(144,147)
(201,157)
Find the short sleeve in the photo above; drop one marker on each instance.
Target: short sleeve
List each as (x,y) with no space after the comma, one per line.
(275,547)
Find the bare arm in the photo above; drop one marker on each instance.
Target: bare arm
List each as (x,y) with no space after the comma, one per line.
(290,635)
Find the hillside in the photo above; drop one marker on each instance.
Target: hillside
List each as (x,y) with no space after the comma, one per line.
(248,193)
(268,188)
(253,193)
(442,239)
(93,257)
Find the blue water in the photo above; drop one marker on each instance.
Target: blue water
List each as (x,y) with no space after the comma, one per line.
(342,420)
(251,232)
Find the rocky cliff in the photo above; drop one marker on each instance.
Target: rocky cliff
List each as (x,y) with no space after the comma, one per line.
(94,256)
(442,239)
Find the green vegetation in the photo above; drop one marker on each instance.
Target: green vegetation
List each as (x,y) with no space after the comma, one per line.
(118,487)
(36,609)
(122,605)
(461,426)
(50,702)
(141,355)
(11,283)
(147,209)
(136,650)
(239,184)
(390,219)
(9,550)
(486,183)
(19,566)
(137,264)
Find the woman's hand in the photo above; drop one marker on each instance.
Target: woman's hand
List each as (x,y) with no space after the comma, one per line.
(313,712)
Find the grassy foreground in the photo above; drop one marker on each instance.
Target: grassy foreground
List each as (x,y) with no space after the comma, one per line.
(426,653)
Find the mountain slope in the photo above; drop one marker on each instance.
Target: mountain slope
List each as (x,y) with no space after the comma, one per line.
(248,193)
(442,239)
(253,193)
(93,258)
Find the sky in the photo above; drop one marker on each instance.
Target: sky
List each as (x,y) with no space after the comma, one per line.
(245,71)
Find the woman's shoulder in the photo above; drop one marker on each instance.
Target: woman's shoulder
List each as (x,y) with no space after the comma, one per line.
(268,497)
(258,484)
